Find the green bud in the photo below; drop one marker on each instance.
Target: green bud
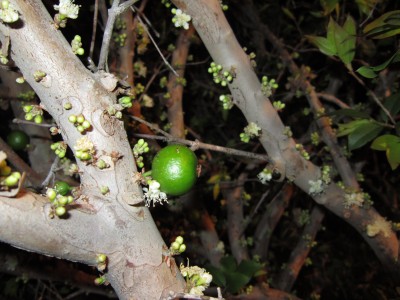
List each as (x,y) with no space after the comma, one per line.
(38,119)
(78,38)
(11,180)
(85,156)
(70,199)
(182,248)
(80,51)
(99,280)
(5,4)
(72,118)
(62,200)
(67,105)
(80,128)
(80,119)
(101,258)
(28,117)
(104,190)
(179,240)
(175,246)
(51,194)
(61,210)
(101,164)
(86,124)
(27,108)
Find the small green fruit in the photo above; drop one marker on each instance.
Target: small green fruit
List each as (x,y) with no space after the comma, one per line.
(62,188)
(18,140)
(175,168)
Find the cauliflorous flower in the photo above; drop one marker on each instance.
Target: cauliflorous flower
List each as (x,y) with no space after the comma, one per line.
(7,13)
(153,194)
(68,9)
(180,19)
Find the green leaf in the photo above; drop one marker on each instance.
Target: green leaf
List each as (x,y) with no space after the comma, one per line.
(348,112)
(344,38)
(217,274)
(235,281)
(228,263)
(384,142)
(323,44)
(363,134)
(393,155)
(249,267)
(288,13)
(366,72)
(365,6)
(371,72)
(392,103)
(328,6)
(385,26)
(348,128)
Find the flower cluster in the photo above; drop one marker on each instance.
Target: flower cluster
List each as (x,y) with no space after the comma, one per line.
(59,201)
(316,187)
(278,105)
(221,76)
(33,112)
(355,198)
(140,147)
(197,279)
(177,246)
(67,9)
(76,45)
(153,194)
(7,13)
(250,131)
(303,152)
(60,148)
(80,123)
(180,19)
(265,175)
(84,149)
(227,102)
(268,85)
(380,225)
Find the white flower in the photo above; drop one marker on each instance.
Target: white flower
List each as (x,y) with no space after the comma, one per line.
(351,199)
(316,187)
(153,194)
(205,279)
(68,8)
(7,13)
(252,129)
(197,279)
(197,290)
(180,19)
(264,176)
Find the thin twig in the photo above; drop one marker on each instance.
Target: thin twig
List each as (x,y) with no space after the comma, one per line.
(94,28)
(333,99)
(195,144)
(374,97)
(152,126)
(200,145)
(50,176)
(155,45)
(140,12)
(115,10)
(20,121)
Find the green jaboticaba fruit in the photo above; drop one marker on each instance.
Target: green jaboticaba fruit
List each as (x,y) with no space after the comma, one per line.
(175,168)
(18,140)
(62,188)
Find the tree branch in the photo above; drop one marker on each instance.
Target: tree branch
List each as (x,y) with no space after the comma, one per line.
(225,50)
